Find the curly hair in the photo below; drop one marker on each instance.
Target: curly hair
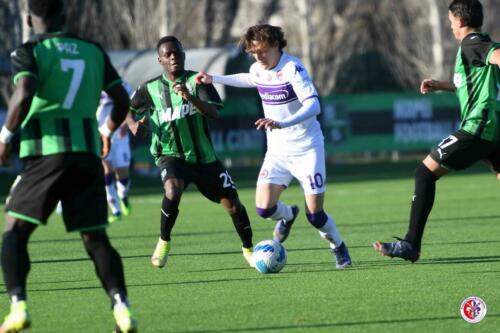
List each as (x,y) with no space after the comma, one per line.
(264,33)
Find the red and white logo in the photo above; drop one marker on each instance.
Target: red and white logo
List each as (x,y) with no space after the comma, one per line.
(263,173)
(473,309)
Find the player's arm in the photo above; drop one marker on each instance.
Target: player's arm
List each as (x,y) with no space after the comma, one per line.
(140,105)
(495,57)
(241,80)
(430,85)
(19,107)
(112,85)
(25,74)
(310,108)
(208,101)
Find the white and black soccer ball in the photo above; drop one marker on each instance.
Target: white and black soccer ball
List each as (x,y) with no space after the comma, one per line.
(269,256)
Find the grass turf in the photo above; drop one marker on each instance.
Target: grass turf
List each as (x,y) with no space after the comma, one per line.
(206,286)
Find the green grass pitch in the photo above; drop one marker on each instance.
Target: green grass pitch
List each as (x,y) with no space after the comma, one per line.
(207,287)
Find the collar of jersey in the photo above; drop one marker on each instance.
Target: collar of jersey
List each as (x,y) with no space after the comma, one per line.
(180,78)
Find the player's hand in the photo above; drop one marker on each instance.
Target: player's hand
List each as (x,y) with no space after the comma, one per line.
(427,86)
(4,153)
(106,146)
(181,90)
(139,128)
(203,77)
(267,124)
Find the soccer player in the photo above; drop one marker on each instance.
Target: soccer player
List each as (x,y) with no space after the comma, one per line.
(117,163)
(295,144)
(477,84)
(58,80)
(178,109)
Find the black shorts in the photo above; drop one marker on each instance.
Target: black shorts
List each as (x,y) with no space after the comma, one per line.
(75,179)
(461,150)
(211,179)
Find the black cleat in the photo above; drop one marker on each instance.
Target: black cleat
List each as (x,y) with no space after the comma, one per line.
(283,227)
(399,249)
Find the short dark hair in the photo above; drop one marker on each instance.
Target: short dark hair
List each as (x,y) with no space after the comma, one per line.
(266,33)
(470,11)
(45,8)
(167,39)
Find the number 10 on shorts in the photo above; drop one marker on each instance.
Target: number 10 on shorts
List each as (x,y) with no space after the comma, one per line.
(316,181)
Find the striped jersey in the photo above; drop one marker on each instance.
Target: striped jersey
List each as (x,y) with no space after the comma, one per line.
(71,72)
(478,86)
(178,129)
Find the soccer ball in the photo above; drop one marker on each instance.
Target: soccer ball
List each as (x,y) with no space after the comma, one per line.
(269,256)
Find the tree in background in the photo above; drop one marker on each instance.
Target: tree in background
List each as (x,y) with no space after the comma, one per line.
(412,37)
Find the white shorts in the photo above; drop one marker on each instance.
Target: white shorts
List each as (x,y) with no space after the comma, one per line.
(119,156)
(308,169)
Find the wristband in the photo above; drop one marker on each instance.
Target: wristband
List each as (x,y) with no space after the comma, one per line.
(105,131)
(5,135)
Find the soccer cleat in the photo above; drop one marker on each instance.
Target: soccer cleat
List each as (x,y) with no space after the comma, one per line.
(160,255)
(247,254)
(115,217)
(125,206)
(342,257)
(283,227)
(399,249)
(17,320)
(125,322)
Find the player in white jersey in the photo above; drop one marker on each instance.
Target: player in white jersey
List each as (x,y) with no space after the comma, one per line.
(295,144)
(117,163)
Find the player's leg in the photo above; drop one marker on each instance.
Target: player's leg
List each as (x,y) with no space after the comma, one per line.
(456,152)
(327,228)
(174,173)
(81,188)
(122,165)
(31,201)
(110,185)
(426,175)
(109,269)
(216,184)
(122,188)
(274,177)
(15,266)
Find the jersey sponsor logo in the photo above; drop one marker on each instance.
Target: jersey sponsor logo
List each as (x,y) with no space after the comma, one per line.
(473,309)
(279,94)
(177,112)
(68,48)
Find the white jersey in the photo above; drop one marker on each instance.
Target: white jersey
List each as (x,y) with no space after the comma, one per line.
(104,111)
(283,89)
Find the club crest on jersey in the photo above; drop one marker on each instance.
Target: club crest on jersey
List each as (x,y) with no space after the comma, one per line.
(177,112)
(263,173)
(457,80)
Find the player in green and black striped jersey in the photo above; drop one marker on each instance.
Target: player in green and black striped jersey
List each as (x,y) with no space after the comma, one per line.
(58,81)
(477,85)
(176,109)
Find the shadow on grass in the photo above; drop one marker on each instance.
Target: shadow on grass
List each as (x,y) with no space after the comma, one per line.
(333,325)
(135,285)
